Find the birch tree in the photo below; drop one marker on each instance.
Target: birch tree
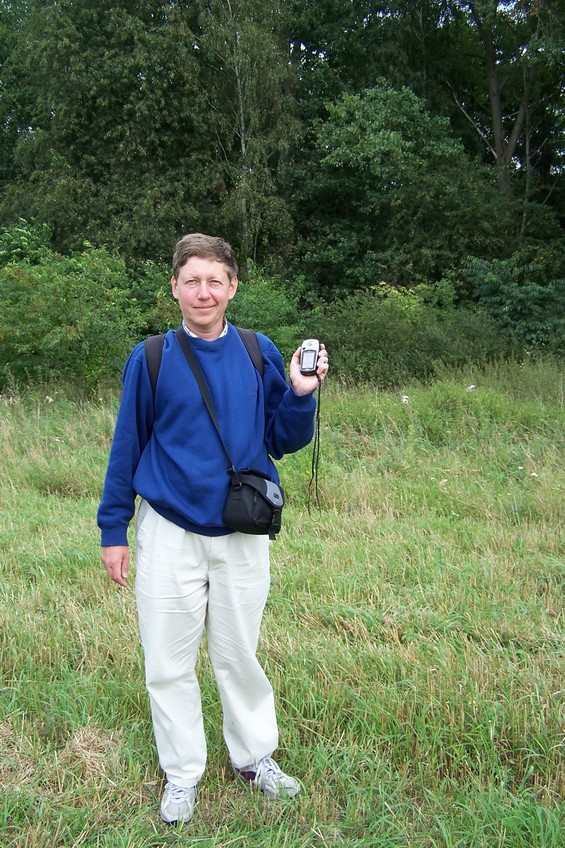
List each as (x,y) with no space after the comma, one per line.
(247,78)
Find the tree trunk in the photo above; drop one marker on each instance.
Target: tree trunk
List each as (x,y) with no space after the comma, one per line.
(504,148)
(242,132)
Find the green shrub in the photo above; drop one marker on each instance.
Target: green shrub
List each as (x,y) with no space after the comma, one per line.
(527,304)
(24,241)
(150,289)
(387,336)
(76,318)
(65,318)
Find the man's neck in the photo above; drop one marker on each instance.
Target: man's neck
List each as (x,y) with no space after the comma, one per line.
(206,337)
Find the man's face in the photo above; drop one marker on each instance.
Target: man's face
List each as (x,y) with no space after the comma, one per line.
(203,290)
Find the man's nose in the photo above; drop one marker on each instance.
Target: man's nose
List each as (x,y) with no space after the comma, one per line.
(203,291)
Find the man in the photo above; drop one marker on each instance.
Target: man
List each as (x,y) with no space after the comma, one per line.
(192,572)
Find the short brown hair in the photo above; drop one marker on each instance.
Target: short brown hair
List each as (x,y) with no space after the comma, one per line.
(205,247)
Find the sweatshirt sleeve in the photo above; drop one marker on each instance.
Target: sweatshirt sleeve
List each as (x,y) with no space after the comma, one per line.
(289,418)
(131,434)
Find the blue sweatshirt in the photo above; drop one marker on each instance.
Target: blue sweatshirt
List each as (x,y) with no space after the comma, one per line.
(166,449)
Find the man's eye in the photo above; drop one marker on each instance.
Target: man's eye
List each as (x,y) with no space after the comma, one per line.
(212,284)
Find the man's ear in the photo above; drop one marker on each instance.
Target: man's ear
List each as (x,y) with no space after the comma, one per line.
(174,287)
(233,287)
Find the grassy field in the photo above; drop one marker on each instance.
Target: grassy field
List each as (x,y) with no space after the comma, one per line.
(414,633)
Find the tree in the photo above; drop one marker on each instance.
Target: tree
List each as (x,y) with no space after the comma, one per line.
(104,149)
(394,196)
(16,98)
(128,124)
(247,82)
(521,56)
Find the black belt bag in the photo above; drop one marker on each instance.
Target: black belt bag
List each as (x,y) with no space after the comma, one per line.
(254,503)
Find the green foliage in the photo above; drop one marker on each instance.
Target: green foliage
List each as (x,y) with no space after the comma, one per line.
(393,196)
(149,288)
(523,304)
(340,137)
(387,336)
(147,121)
(246,85)
(24,242)
(88,309)
(66,318)
(101,151)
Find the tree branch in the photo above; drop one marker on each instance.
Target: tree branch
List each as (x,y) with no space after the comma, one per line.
(471,121)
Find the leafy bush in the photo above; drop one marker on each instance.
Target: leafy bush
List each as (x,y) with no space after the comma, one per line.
(65,318)
(387,336)
(525,303)
(24,242)
(149,287)
(76,318)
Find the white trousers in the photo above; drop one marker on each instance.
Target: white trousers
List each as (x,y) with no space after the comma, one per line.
(186,583)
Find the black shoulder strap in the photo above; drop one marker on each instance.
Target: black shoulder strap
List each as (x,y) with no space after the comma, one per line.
(251,342)
(154,352)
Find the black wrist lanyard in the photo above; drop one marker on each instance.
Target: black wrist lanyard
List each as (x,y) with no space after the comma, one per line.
(315,455)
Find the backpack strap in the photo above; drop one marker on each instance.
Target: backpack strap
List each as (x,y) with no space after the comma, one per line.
(154,353)
(251,342)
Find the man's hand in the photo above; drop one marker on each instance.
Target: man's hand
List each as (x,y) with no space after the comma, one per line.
(116,561)
(305,385)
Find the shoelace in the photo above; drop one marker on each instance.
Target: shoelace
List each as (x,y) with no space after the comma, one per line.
(178,793)
(269,766)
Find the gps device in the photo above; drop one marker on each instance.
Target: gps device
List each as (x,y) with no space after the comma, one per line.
(309,357)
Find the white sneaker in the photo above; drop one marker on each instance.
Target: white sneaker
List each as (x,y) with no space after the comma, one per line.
(271,779)
(177,803)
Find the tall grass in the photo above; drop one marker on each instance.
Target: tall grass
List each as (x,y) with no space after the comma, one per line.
(414,633)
